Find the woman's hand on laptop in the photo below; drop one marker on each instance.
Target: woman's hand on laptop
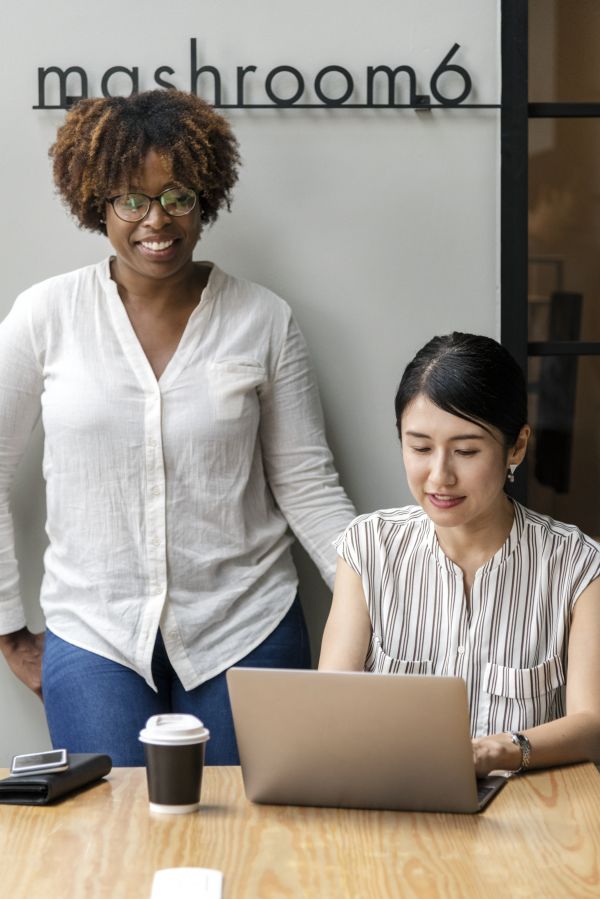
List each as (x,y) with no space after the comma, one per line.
(495,753)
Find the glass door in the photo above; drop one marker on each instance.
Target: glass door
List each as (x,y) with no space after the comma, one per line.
(563,278)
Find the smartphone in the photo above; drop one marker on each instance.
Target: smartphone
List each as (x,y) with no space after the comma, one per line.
(40,762)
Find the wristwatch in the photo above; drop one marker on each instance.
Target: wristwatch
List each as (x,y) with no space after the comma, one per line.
(524,745)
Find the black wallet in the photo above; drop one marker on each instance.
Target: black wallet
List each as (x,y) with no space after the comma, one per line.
(40,789)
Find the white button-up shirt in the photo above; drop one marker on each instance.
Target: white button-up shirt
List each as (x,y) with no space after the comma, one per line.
(168,501)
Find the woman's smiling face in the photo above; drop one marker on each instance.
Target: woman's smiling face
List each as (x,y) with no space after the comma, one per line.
(456,469)
(159,246)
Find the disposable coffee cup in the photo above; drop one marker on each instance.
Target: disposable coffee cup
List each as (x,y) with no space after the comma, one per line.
(174,747)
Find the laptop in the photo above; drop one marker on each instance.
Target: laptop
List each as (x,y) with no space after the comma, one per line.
(356,740)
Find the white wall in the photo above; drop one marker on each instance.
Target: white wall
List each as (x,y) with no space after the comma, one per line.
(379,227)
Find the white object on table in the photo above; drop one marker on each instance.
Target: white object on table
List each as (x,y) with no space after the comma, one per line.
(187,883)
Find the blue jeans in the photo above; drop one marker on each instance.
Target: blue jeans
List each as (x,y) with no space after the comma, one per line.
(96,705)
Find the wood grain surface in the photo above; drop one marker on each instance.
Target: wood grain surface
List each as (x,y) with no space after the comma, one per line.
(539,838)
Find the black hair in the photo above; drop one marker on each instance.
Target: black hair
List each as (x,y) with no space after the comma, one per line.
(470,376)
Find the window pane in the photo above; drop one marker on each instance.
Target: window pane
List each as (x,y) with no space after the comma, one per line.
(564,36)
(564,227)
(564,454)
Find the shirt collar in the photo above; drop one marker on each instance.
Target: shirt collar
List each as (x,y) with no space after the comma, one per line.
(499,557)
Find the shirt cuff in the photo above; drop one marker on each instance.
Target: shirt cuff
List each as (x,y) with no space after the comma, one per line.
(12,616)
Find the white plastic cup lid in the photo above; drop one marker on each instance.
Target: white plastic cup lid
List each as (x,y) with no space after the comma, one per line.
(174,730)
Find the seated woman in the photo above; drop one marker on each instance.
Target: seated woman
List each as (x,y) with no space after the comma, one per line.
(468,582)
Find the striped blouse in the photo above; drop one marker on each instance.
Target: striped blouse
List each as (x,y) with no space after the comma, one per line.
(509,643)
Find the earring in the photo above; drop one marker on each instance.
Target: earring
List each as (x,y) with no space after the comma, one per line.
(510,477)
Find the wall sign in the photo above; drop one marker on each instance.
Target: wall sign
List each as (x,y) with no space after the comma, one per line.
(283,87)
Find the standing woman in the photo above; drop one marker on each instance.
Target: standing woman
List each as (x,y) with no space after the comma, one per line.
(183,437)
(469,583)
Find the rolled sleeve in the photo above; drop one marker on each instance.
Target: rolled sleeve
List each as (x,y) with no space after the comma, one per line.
(298,462)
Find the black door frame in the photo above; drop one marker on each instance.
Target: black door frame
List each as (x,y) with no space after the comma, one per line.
(516,110)
(513,192)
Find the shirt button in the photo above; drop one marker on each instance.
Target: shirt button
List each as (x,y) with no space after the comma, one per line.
(461,650)
(152,442)
(155,490)
(156,541)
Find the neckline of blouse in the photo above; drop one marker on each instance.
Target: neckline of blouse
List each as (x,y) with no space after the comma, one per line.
(499,557)
(130,342)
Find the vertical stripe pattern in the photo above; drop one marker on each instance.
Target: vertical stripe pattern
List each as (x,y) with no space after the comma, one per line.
(510,641)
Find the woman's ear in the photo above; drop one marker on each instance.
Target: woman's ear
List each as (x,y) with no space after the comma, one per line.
(517,453)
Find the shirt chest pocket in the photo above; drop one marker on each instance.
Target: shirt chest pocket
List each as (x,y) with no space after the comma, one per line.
(529,695)
(231,382)
(380,662)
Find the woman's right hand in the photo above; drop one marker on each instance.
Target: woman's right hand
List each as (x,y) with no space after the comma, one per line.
(23,653)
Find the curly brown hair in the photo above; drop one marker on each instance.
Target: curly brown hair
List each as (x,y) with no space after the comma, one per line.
(102,143)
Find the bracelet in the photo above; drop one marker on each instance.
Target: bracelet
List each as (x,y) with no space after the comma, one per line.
(524,745)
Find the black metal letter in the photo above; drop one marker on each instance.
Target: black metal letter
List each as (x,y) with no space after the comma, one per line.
(195,73)
(349,86)
(269,86)
(133,74)
(64,100)
(158,76)
(241,74)
(441,70)
(412,77)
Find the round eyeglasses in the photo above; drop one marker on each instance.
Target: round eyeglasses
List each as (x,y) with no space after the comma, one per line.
(134,207)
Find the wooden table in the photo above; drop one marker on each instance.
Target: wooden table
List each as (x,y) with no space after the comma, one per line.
(539,838)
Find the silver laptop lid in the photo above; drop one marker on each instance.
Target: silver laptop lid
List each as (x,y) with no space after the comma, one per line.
(356,740)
